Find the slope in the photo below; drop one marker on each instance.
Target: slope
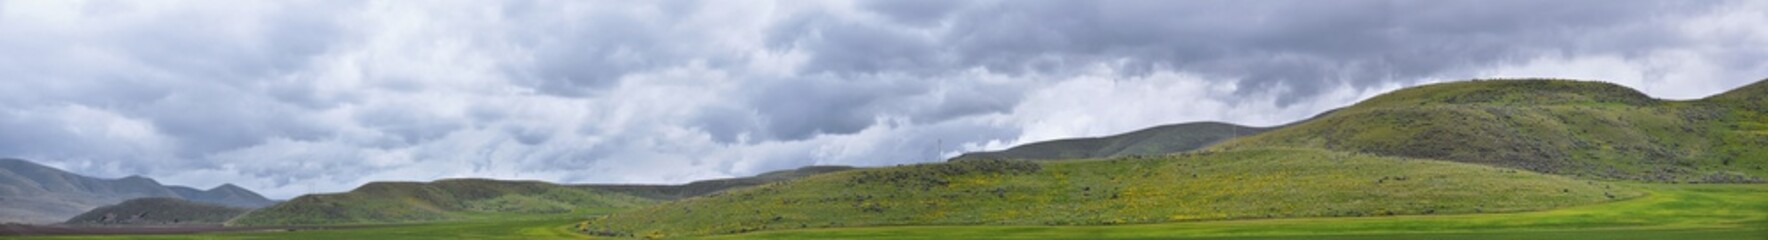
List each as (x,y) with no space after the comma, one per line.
(1157,140)
(1575,128)
(158,211)
(699,188)
(454,199)
(1263,183)
(33,193)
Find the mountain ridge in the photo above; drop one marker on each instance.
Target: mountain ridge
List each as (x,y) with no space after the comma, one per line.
(710,186)
(36,193)
(1157,140)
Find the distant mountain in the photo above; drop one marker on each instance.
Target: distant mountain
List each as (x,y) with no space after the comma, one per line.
(699,188)
(452,199)
(33,193)
(1566,127)
(158,211)
(1158,140)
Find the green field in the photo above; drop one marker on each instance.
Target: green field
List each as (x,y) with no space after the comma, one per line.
(1734,211)
(1667,212)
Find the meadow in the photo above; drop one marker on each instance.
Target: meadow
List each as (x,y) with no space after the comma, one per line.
(1667,211)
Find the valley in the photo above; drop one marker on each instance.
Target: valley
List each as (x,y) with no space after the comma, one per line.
(1483,159)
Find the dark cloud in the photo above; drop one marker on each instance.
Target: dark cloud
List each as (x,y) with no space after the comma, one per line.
(1305,45)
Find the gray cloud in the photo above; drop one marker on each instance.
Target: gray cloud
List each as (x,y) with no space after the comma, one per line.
(1300,44)
(292,98)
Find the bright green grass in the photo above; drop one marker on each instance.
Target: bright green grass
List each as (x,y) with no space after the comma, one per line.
(1669,212)
(1249,184)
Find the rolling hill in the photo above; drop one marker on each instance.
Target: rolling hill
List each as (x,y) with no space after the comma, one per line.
(453,199)
(225,195)
(1152,141)
(699,188)
(461,199)
(1575,128)
(158,211)
(33,193)
(1464,147)
(1264,183)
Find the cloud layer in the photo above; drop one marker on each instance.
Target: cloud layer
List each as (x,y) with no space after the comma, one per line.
(292,97)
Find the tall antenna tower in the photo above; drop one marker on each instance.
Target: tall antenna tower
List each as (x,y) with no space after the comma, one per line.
(938,145)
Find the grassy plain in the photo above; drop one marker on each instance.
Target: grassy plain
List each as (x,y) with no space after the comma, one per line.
(1720,211)
(1667,211)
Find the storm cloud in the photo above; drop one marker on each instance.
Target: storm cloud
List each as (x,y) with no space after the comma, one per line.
(292,97)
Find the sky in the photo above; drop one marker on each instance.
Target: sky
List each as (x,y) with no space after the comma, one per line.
(295,97)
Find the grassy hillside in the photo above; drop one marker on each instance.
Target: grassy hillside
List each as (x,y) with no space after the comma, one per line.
(1265,183)
(1564,127)
(158,211)
(1146,142)
(456,199)
(699,188)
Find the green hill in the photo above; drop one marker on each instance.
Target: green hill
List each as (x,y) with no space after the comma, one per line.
(699,188)
(158,211)
(455,199)
(1575,128)
(1146,142)
(1264,183)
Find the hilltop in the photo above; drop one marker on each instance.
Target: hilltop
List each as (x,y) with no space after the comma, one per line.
(225,195)
(1152,141)
(33,193)
(453,199)
(1575,128)
(1753,97)
(1268,183)
(158,211)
